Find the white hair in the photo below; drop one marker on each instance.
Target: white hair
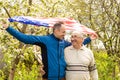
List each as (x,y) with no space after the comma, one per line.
(78,33)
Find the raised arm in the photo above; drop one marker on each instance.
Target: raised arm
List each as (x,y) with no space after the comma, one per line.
(87,40)
(27,39)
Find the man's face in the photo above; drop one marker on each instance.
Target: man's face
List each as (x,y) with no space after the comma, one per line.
(76,39)
(60,33)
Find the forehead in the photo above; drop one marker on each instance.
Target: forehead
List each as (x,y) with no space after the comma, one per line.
(62,27)
(75,34)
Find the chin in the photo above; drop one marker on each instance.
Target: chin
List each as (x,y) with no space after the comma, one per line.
(62,38)
(73,44)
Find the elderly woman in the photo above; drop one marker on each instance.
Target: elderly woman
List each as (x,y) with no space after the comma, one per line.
(80,60)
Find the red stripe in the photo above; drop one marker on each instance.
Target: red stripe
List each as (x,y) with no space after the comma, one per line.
(70,24)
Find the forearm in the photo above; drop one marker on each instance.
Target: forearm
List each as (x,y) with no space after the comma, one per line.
(18,35)
(94,75)
(87,40)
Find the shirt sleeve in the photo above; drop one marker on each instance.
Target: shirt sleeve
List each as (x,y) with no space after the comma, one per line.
(87,40)
(92,68)
(27,39)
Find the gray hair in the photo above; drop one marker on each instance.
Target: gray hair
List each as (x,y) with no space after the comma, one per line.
(79,34)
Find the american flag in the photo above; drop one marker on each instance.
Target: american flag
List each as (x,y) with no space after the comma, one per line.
(71,24)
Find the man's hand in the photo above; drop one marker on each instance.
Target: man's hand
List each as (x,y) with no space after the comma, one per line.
(41,70)
(5,24)
(93,36)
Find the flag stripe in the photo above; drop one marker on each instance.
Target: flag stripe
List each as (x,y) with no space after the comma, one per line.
(70,23)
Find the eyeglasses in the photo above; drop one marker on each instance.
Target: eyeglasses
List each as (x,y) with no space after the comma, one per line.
(74,36)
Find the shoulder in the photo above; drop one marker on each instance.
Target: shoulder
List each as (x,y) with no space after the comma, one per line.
(68,48)
(46,36)
(89,51)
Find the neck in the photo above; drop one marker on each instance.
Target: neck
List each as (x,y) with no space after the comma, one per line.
(77,46)
(56,36)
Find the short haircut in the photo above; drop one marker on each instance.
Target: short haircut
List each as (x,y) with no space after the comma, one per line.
(79,34)
(57,25)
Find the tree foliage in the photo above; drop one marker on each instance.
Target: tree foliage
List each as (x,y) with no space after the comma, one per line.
(102,16)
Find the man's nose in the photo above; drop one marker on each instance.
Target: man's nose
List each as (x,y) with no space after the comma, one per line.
(72,38)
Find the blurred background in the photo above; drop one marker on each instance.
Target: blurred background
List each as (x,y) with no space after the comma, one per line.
(22,62)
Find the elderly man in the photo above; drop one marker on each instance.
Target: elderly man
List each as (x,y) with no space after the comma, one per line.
(80,60)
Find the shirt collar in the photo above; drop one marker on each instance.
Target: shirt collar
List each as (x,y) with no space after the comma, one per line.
(55,37)
(82,48)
